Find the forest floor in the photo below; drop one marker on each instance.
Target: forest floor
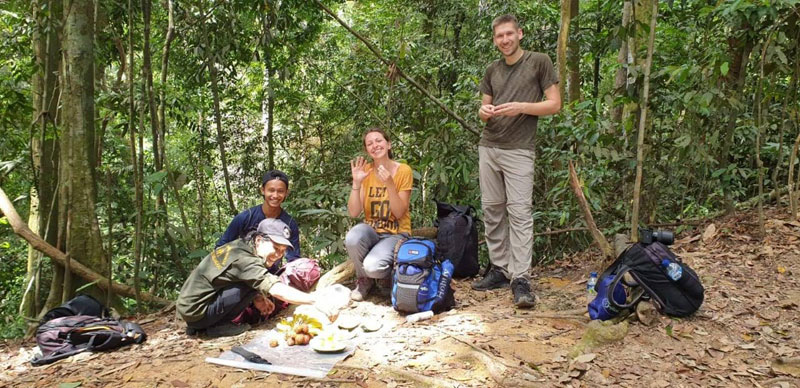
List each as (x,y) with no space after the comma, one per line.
(746,333)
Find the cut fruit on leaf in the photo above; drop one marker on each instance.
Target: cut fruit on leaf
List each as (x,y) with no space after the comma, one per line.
(372,325)
(347,323)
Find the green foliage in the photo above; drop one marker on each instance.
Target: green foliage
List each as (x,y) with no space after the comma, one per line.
(328,88)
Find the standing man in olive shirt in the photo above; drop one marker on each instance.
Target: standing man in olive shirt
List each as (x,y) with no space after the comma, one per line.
(512,100)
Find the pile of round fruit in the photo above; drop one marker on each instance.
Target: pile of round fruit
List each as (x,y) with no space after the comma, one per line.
(297,330)
(301,336)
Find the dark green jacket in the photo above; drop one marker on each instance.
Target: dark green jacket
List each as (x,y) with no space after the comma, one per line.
(235,262)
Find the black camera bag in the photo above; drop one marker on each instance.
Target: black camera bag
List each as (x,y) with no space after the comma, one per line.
(679,298)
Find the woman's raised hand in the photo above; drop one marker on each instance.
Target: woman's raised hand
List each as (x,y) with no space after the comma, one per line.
(384,175)
(359,169)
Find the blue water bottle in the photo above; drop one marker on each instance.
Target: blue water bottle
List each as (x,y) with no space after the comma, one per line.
(590,291)
(674,270)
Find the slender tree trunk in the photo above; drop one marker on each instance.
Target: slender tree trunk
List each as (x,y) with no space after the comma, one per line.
(137,264)
(740,50)
(598,29)
(110,245)
(642,124)
(793,198)
(66,294)
(212,72)
(624,59)
(268,94)
(574,54)
(561,52)
(758,114)
(44,143)
(791,95)
(147,71)
(271,128)
(170,36)
(137,239)
(781,133)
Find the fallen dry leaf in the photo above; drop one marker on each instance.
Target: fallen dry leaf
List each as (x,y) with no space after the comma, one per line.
(584,358)
(709,233)
(769,315)
(789,366)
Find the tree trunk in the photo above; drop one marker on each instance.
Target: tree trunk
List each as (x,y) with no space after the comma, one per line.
(791,95)
(642,124)
(781,133)
(793,156)
(110,247)
(268,94)
(624,59)
(137,183)
(561,52)
(601,241)
(598,29)
(211,63)
(170,36)
(156,127)
(147,71)
(78,187)
(44,143)
(270,129)
(758,114)
(740,50)
(574,54)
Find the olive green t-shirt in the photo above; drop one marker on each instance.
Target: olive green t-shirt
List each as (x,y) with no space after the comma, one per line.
(524,81)
(234,262)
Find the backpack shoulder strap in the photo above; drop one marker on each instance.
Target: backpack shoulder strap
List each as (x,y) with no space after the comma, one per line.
(637,296)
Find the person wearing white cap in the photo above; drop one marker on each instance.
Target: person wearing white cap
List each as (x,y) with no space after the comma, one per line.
(235,275)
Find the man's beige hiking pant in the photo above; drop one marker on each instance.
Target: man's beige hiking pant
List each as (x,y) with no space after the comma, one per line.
(506,178)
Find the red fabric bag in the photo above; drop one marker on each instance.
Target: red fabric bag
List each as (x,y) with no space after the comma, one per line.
(301,274)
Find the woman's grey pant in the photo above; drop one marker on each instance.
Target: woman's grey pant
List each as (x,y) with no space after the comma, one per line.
(372,254)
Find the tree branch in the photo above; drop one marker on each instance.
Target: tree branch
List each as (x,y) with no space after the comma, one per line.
(601,241)
(22,230)
(399,71)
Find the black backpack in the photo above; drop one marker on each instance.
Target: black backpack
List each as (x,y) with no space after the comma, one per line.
(457,238)
(643,262)
(80,305)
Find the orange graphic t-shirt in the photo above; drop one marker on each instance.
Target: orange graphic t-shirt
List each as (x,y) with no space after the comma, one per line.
(376,201)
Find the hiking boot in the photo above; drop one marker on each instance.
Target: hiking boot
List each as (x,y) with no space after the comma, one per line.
(190,331)
(226,330)
(363,285)
(493,279)
(523,297)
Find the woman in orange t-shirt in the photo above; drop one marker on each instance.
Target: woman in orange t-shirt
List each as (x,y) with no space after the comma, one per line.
(382,191)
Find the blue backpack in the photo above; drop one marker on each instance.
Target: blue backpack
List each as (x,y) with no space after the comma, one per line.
(601,308)
(421,281)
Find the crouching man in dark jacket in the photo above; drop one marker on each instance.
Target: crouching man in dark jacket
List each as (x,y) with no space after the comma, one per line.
(235,275)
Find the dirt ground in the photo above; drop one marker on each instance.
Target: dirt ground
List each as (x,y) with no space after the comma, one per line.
(745,334)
